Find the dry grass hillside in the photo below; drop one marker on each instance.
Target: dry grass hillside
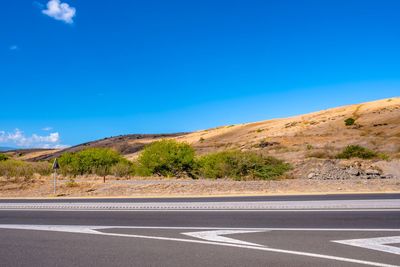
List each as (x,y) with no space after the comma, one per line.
(310,143)
(320,134)
(377,126)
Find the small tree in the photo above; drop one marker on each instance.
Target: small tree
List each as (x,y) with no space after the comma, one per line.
(167,158)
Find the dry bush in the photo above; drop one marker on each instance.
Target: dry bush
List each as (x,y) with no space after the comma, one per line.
(320,154)
(17,171)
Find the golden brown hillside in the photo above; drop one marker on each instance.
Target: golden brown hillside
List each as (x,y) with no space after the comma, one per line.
(320,134)
(377,126)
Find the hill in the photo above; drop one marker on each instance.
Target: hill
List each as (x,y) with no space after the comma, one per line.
(125,144)
(376,126)
(3,148)
(319,134)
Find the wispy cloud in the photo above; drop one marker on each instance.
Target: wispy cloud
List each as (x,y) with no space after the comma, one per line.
(60,11)
(48,128)
(19,139)
(13,47)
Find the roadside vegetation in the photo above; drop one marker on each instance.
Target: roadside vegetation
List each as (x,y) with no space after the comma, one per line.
(356,151)
(16,170)
(98,161)
(167,158)
(3,157)
(240,165)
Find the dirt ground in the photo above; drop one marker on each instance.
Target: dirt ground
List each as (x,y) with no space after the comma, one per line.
(151,187)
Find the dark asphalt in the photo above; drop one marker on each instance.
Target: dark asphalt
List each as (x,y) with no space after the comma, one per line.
(306,219)
(213,199)
(44,248)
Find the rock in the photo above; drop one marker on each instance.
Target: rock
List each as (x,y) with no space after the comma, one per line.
(353,171)
(387,176)
(311,175)
(372,172)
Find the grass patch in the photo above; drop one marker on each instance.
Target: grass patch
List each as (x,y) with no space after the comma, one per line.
(71,183)
(23,170)
(319,154)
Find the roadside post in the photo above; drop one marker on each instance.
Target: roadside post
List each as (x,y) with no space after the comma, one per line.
(56,166)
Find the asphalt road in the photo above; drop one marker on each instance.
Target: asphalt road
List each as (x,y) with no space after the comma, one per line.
(304,237)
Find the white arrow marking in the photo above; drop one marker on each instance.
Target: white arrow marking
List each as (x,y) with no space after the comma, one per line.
(216,236)
(94,230)
(378,243)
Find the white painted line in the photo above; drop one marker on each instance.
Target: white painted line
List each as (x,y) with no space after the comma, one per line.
(378,243)
(258,229)
(216,236)
(200,210)
(94,230)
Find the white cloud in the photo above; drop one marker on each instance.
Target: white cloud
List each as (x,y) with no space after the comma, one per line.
(48,128)
(19,139)
(13,47)
(60,11)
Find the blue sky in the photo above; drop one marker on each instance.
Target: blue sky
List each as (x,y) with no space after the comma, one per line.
(77,70)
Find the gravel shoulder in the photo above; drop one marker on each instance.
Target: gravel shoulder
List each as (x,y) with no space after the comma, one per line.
(139,187)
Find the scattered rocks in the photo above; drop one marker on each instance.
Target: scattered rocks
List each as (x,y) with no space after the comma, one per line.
(334,170)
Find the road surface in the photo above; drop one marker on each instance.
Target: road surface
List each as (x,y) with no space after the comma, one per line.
(330,230)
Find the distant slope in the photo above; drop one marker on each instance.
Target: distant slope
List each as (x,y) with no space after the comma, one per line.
(377,126)
(4,148)
(125,144)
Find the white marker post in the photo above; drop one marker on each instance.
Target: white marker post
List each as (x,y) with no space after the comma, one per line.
(56,166)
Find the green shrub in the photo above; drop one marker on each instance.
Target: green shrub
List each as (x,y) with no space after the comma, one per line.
(3,157)
(166,158)
(240,165)
(349,121)
(97,161)
(356,151)
(384,156)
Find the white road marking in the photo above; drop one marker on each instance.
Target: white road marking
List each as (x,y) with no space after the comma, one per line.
(97,227)
(200,210)
(94,230)
(378,243)
(216,236)
(243,205)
